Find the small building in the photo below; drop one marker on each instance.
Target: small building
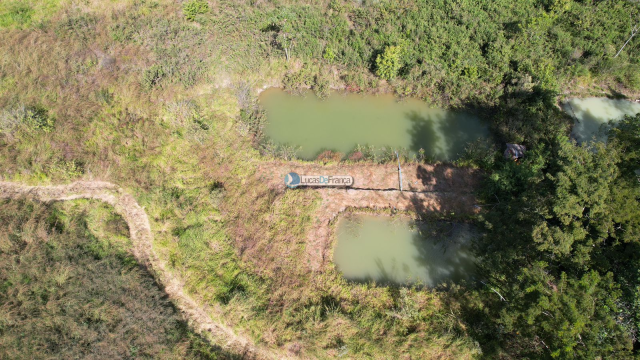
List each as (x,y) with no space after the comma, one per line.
(515,152)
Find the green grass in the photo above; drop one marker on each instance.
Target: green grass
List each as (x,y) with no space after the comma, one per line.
(193,8)
(22,14)
(71,289)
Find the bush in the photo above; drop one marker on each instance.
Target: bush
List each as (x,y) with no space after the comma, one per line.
(152,76)
(252,122)
(322,85)
(82,26)
(329,55)
(480,153)
(194,8)
(31,118)
(356,156)
(361,152)
(37,118)
(328,156)
(632,78)
(388,63)
(297,82)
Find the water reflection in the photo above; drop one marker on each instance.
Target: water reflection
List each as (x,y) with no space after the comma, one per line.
(591,113)
(340,122)
(395,250)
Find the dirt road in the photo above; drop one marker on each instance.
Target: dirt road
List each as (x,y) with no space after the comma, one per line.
(142,239)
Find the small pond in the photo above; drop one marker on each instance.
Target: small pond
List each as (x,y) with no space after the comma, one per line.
(593,112)
(342,121)
(399,250)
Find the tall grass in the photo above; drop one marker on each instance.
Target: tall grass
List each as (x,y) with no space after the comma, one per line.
(71,289)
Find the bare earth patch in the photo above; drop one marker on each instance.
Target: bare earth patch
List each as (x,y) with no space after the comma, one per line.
(416,177)
(427,188)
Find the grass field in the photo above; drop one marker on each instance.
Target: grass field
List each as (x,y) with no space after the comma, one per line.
(159,98)
(71,289)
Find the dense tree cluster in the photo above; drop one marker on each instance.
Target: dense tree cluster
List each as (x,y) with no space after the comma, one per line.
(465,48)
(562,249)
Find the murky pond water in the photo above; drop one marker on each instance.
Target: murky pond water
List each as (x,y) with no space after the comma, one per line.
(593,112)
(342,121)
(395,250)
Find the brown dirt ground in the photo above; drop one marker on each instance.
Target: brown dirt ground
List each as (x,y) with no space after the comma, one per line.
(427,188)
(416,177)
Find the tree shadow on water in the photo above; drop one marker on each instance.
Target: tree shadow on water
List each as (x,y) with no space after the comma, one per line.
(423,134)
(442,255)
(459,129)
(444,136)
(443,251)
(384,275)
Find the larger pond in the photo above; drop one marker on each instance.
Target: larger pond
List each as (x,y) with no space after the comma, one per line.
(397,250)
(342,121)
(591,113)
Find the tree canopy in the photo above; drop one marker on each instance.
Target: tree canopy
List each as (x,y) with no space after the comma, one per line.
(562,248)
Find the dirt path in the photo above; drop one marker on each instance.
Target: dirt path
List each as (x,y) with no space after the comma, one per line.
(416,177)
(142,239)
(428,188)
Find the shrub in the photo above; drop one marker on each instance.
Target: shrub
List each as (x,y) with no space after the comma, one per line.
(329,55)
(367,153)
(82,26)
(632,78)
(388,63)
(104,96)
(356,156)
(252,122)
(121,32)
(322,85)
(28,118)
(480,153)
(296,82)
(194,8)
(152,76)
(270,148)
(329,156)
(67,169)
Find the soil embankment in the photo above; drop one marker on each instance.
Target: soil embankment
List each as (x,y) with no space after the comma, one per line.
(426,188)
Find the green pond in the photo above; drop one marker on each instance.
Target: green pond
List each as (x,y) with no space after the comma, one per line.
(398,250)
(342,121)
(591,113)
